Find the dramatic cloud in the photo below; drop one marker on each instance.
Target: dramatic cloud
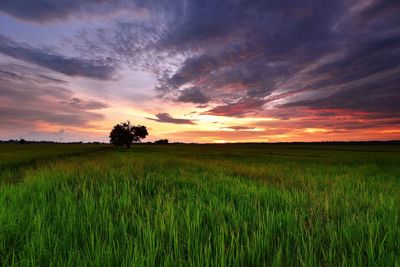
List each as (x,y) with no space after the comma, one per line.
(193,95)
(309,67)
(166,118)
(244,53)
(247,45)
(94,68)
(26,102)
(242,107)
(379,95)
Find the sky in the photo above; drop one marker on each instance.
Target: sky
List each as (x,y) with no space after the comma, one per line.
(201,70)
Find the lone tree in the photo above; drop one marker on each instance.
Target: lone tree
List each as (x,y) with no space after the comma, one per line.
(125,133)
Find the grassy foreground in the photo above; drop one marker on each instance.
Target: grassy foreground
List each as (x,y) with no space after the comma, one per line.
(203,205)
(14,158)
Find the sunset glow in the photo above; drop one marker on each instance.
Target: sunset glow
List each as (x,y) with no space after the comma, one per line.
(201,71)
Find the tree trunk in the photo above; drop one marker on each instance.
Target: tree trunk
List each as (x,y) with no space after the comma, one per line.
(128,145)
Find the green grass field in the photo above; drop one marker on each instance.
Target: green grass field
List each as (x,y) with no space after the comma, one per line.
(200,205)
(15,158)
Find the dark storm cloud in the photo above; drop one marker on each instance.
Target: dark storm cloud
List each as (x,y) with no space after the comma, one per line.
(25,100)
(166,118)
(91,68)
(193,95)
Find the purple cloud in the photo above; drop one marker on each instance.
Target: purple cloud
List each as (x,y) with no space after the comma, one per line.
(166,118)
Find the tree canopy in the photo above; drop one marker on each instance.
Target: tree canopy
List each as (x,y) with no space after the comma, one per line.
(124,134)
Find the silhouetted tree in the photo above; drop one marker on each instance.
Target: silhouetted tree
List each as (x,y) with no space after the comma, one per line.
(161,142)
(125,133)
(22,141)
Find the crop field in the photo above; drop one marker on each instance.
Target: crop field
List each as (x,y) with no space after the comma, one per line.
(200,205)
(14,158)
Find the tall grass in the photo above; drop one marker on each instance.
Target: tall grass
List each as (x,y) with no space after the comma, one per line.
(230,205)
(14,158)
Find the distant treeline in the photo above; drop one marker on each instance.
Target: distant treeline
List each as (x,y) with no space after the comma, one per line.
(23,141)
(165,141)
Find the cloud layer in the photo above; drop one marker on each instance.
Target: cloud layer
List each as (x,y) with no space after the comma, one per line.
(28,101)
(92,68)
(166,118)
(244,56)
(55,10)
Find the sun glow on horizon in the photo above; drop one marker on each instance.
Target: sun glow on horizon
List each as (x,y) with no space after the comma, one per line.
(73,71)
